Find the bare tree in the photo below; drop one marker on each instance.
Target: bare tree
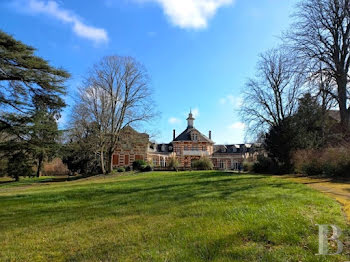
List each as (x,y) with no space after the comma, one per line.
(320,36)
(273,94)
(93,109)
(116,93)
(320,85)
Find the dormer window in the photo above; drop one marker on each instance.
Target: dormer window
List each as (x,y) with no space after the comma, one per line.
(163,148)
(194,137)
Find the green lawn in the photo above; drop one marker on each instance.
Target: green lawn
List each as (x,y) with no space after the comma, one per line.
(165,216)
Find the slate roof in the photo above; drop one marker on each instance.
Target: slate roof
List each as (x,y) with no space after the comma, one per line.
(160,148)
(236,148)
(164,148)
(186,136)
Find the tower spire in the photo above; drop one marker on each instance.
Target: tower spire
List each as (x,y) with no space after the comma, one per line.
(190,119)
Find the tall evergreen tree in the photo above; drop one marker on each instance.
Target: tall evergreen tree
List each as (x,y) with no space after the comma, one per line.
(44,135)
(310,123)
(280,143)
(30,103)
(24,75)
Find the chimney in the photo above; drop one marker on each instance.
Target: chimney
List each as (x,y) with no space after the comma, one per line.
(210,135)
(174,134)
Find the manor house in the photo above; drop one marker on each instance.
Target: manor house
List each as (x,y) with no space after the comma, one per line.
(188,146)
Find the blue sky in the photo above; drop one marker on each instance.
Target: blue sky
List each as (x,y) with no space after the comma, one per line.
(199,53)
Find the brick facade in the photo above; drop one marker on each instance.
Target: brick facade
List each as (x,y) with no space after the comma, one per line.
(131,146)
(188,151)
(187,147)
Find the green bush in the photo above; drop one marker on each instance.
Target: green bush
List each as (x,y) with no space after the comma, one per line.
(146,168)
(264,165)
(120,169)
(203,163)
(18,165)
(248,166)
(3,166)
(139,164)
(174,163)
(312,168)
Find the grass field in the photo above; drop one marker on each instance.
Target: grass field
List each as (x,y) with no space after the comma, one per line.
(165,216)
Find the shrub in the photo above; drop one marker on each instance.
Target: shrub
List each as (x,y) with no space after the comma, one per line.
(248,166)
(139,164)
(55,168)
(174,163)
(18,165)
(264,165)
(203,163)
(121,169)
(146,168)
(3,166)
(80,158)
(327,162)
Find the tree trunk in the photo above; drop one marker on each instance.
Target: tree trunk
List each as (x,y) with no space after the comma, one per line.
(102,161)
(110,162)
(40,161)
(344,112)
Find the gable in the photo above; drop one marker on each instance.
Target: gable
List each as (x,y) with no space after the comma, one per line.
(192,134)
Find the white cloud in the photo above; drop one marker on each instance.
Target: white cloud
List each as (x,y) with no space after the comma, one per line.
(190,13)
(195,112)
(237,125)
(235,101)
(51,8)
(174,120)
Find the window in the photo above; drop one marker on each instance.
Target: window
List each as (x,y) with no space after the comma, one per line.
(194,137)
(222,164)
(115,160)
(155,162)
(234,165)
(162,162)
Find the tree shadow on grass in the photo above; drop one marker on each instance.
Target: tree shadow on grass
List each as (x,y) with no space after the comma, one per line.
(127,199)
(7,182)
(42,180)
